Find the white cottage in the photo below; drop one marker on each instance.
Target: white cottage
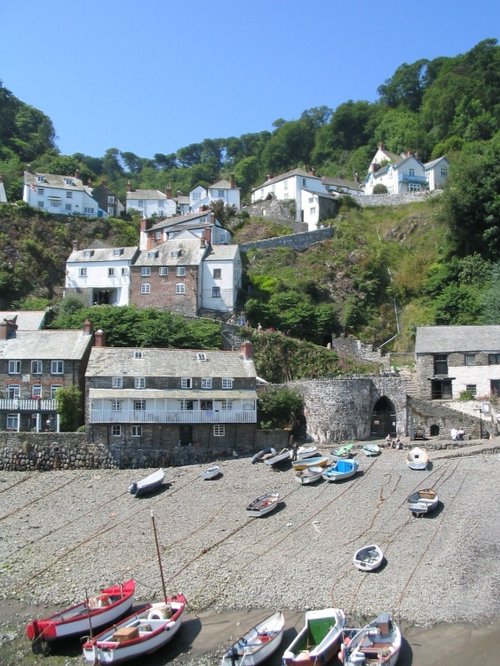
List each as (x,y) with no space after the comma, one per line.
(60,195)
(221,278)
(151,202)
(224,190)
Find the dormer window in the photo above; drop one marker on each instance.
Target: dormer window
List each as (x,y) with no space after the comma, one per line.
(88,253)
(40,179)
(137,353)
(201,356)
(68,181)
(152,254)
(118,251)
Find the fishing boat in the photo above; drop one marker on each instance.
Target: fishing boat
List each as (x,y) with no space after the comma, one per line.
(263,504)
(147,485)
(368,558)
(417,458)
(306,451)
(317,642)
(137,635)
(260,454)
(257,644)
(277,458)
(343,451)
(309,475)
(423,501)
(342,469)
(377,643)
(211,473)
(94,612)
(315,461)
(371,449)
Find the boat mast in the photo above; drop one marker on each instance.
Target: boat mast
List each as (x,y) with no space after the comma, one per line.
(159,557)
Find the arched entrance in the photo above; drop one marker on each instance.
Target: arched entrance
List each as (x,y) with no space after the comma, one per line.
(383,419)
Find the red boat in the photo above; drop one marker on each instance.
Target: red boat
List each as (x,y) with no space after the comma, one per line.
(94,613)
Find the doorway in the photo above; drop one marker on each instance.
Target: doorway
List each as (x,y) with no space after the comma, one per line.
(383,418)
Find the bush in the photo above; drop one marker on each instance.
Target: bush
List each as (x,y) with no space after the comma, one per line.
(466,395)
(380,189)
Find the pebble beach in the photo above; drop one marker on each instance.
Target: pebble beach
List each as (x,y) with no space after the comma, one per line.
(66,533)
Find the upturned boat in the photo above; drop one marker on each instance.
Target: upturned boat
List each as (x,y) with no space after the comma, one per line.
(318,640)
(148,484)
(259,643)
(276,458)
(371,449)
(417,458)
(211,473)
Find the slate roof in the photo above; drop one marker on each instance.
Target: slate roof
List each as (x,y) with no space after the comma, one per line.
(45,344)
(55,180)
(432,164)
(147,194)
(341,182)
(26,320)
(118,361)
(183,219)
(294,172)
(223,185)
(222,252)
(448,339)
(103,254)
(166,254)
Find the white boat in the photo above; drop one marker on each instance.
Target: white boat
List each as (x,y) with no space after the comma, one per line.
(306,451)
(377,643)
(211,473)
(148,484)
(344,468)
(259,643)
(309,475)
(137,635)
(423,501)
(368,558)
(276,458)
(417,458)
(263,504)
(317,642)
(260,454)
(371,449)
(315,461)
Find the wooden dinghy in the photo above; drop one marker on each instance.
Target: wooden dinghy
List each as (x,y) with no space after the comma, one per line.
(317,642)
(371,449)
(368,558)
(423,501)
(259,643)
(377,643)
(147,485)
(138,634)
(309,475)
(342,469)
(275,459)
(211,473)
(315,461)
(95,612)
(417,458)
(263,504)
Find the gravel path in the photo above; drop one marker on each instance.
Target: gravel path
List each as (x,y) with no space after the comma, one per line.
(66,533)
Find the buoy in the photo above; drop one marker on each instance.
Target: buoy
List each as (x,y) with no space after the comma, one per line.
(157,614)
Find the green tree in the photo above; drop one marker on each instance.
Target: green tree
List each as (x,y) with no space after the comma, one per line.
(69,405)
(279,407)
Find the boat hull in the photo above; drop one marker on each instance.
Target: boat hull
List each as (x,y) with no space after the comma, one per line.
(379,642)
(263,505)
(309,475)
(315,461)
(77,620)
(257,644)
(211,473)
(368,558)
(343,469)
(137,635)
(147,485)
(417,459)
(318,641)
(423,501)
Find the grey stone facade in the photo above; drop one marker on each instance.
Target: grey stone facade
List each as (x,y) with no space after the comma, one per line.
(298,242)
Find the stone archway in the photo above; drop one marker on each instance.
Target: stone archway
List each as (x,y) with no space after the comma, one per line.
(383,418)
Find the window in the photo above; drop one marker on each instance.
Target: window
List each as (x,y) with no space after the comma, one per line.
(82,272)
(111,272)
(312,210)
(118,251)
(13,391)
(116,405)
(145,288)
(124,270)
(12,421)
(219,430)
(40,191)
(206,382)
(471,388)
(201,356)
(53,390)
(163,270)
(111,200)
(88,211)
(110,210)
(215,292)
(57,367)
(139,405)
(36,391)
(145,271)
(88,253)
(180,288)
(441,364)
(311,200)
(136,431)
(14,367)
(36,367)
(116,430)
(196,196)
(158,236)
(285,185)
(116,382)
(137,353)
(40,179)
(68,206)
(140,203)
(41,204)
(493,359)
(181,271)
(411,172)
(227,383)
(469,359)
(226,405)
(217,273)
(140,382)
(444,172)
(69,195)
(186,382)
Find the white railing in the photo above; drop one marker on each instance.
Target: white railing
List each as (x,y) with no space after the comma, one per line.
(28,404)
(178,416)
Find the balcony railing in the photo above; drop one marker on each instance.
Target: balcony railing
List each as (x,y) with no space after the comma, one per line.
(409,178)
(28,404)
(179,416)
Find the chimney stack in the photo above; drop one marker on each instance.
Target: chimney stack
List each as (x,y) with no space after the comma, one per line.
(233,182)
(77,173)
(8,328)
(99,338)
(246,350)
(207,235)
(168,191)
(129,186)
(75,246)
(87,327)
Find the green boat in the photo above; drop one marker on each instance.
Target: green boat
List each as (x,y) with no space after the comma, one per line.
(344,451)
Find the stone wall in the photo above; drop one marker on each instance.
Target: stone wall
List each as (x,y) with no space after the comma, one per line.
(353,347)
(366,200)
(298,242)
(27,451)
(437,418)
